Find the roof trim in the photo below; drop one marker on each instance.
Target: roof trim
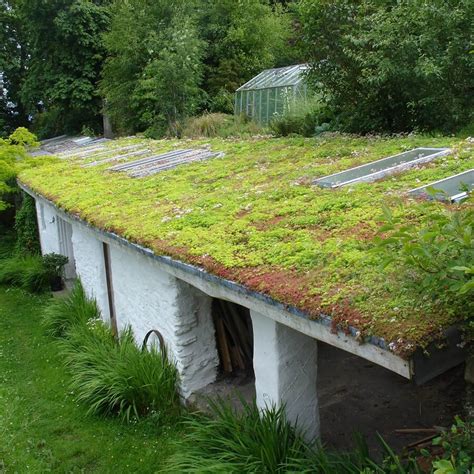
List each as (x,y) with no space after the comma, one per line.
(277,77)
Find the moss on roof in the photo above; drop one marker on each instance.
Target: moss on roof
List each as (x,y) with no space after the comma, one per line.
(254,217)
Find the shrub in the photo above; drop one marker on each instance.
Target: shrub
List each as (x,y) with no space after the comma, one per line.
(219,125)
(436,255)
(458,447)
(74,309)
(115,377)
(26,227)
(304,118)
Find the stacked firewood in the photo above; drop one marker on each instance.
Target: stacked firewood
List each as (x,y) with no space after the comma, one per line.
(234,336)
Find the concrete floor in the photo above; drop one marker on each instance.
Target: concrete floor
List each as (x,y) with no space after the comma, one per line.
(357,396)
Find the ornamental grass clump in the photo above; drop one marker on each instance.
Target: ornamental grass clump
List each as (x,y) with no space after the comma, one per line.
(33,273)
(251,440)
(27,272)
(238,441)
(112,376)
(74,309)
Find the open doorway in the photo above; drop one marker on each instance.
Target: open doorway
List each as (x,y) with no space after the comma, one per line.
(234,339)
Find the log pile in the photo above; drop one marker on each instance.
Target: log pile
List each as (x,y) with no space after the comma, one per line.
(234,337)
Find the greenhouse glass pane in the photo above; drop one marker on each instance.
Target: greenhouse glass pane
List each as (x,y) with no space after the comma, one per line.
(237,104)
(380,168)
(280,100)
(453,189)
(263,106)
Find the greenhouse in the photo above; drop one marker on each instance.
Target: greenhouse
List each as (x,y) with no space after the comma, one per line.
(272,92)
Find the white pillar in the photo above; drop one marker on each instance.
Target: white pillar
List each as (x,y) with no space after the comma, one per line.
(285,364)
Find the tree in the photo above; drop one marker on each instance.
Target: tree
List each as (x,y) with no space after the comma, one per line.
(66,55)
(392,66)
(152,75)
(13,151)
(243,37)
(13,67)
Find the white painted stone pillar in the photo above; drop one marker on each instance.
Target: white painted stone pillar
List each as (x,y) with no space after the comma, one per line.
(285,364)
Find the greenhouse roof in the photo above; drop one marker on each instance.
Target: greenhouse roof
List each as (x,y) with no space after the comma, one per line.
(279,77)
(253,216)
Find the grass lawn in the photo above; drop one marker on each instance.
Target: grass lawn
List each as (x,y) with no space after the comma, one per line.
(42,429)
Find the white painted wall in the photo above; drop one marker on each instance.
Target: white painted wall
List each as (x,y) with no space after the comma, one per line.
(148,298)
(286,366)
(47,226)
(90,266)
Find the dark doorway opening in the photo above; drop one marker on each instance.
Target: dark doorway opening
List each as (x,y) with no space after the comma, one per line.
(234,340)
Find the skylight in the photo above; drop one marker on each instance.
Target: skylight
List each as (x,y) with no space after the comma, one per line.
(453,189)
(165,161)
(381,168)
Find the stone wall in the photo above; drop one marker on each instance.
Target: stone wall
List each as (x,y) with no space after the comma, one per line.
(148,298)
(90,267)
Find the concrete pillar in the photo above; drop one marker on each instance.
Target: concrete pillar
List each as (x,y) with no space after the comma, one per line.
(285,364)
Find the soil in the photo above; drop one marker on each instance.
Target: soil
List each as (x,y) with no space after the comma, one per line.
(357,396)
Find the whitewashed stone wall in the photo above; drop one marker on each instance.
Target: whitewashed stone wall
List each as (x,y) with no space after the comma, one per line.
(148,298)
(48,227)
(286,364)
(90,267)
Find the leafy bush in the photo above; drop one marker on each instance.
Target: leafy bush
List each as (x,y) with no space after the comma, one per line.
(31,272)
(23,137)
(74,309)
(304,118)
(115,377)
(436,255)
(458,447)
(26,227)
(391,66)
(12,151)
(219,125)
(54,264)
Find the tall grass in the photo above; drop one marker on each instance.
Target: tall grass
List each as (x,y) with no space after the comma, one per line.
(115,377)
(74,309)
(238,441)
(263,441)
(220,125)
(27,272)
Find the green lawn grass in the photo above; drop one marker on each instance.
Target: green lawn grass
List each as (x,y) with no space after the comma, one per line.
(42,429)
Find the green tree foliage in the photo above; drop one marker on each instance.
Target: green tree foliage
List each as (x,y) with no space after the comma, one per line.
(13,61)
(169,60)
(12,151)
(152,75)
(392,65)
(65,58)
(243,37)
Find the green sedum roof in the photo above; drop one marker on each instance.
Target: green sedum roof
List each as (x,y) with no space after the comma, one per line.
(253,216)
